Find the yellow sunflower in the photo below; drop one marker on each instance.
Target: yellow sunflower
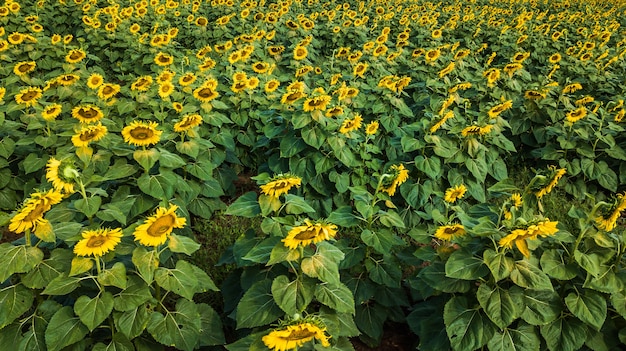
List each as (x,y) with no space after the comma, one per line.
(188,122)
(271,86)
(187,79)
(555,176)
(108,90)
(350,125)
(371,128)
(141,133)
(576,115)
(519,236)
(89,134)
(260,67)
(162,59)
(67,79)
(316,103)
(455,193)
(450,232)
(56,174)
(309,233)
(3,92)
(75,56)
(28,96)
(141,84)
(51,112)
(98,242)
(280,184)
(94,81)
(87,113)
(495,111)
(294,336)
(205,93)
(166,89)
(31,213)
(156,228)
(24,67)
(300,53)
(394,177)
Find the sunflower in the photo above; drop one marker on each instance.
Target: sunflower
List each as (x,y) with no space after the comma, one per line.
(309,233)
(300,53)
(432,55)
(618,116)
(495,111)
(252,83)
(24,67)
(576,115)
(87,113)
(31,213)
(534,95)
(4,45)
(59,174)
(134,28)
(554,58)
(555,176)
(280,184)
(518,236)
(291,96)
(67,80)
(293,336)
(359,69)
(350,125)
(371,128)
(88,134)
(447,70)
(187,79)
(141,84)
(511,68)
(51,112)
(141,133)
(188,122)
(98,242)
(450,232)
(16,38)
(156,228)
(461,54)
(455,193)
(316,103)
(436,34)
(492,75)
(608,220)
(271,86)
(205,93)
(108,90)
(94,81)
(75,56)
(394,177)
(28,96)
(276,50)
(3,92)
(166,89)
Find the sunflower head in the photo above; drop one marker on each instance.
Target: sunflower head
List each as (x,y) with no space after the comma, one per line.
(309,233)
(141,133)
(155,229)
(280,184)
(98,242)
(455,193)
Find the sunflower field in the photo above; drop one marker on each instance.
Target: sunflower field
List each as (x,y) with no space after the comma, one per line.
(401,153)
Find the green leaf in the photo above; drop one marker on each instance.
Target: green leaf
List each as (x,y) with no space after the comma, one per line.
(136,293)
(88,206)
(292,296)
(181,280)
(48,269)
(64,329)
(132,322)
(245,206)
(94,311)
(62,285)
(261,251)
(588,306)
(522,338)
(120,170)
(81,265)
(297,205)
(542,307)
(608,281)
(15,301)
(291,145)
(466,326)
(528,275)
(211,332)
(153,186)
(343,217)
(146,263)
(435,276)
(341,151)
(257,306)
(554,265)
(564,334)
(33,163)
(182,244)
(384,273)
(382,240)
(430,166)
(170,160)
(322,266)
(391,219)
(18,259)
(180,328)
(335,296)
(591,262)
(499,264)
(370,319)
(502,306)
(314,137)
(114,276)
(462,264)
(147,158)
(426,321)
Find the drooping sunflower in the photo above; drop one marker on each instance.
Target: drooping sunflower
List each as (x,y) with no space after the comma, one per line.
(188,122)
(155,229)
(534,95)
(56,174)
(141,84)
(87,113)
(519,236)
(108,90)
(94,81)
(450,232)
(291,96)
(141,133)
(294,336)
(359,69)
(607,221)
(555,176)
(309,233)
(280,184)
(98,242)
(51,112)
(28,96)
(88,134)
(455,193)
(24,67)
(395,176)
(334,111)
(495,111)
(67,80)
(351,124)
(449,68)
(75,56)
(32,212)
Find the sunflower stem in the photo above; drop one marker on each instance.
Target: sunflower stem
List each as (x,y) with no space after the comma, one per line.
(27,237)
(98,267)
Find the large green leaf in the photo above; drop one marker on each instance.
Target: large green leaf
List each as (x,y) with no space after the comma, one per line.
(132,322)
(435,276)
(370,319)
(527,275)
(502,306)
(182,244)
(588,306)
(467,328)
(245,206)
(293,296)
(564,334)
(296,205)
(146,262)
(335,296)
(499,264)
(15,300)
(522,338)
(542,307)
(324,263)
(554,265)
(62,285)
(64,329)
(186,279)
(136,293)
(94,311)
(18,259)
(385,272)
(382,240)
(257,306)
(211,332)
(462,264)
(114,276)
(343,153)
(592,262)
(180,328)
(426,320)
